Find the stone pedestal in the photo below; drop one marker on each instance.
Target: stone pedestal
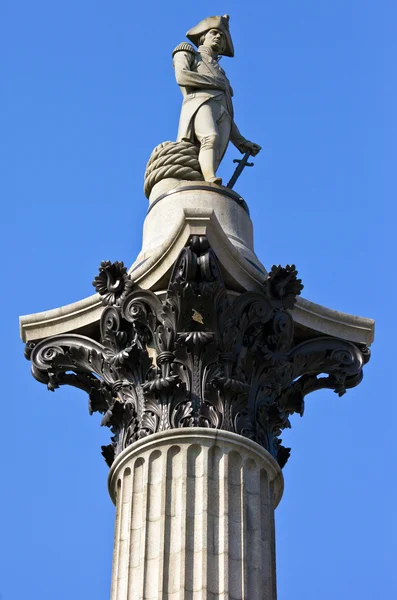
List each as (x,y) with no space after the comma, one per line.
(194,518)
(185,204)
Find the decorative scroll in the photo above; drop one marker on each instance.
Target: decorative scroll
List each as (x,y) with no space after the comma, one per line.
(197,358)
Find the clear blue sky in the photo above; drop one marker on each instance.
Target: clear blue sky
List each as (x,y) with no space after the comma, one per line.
(87,92)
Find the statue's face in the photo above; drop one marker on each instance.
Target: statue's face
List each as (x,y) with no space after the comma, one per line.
(215,39)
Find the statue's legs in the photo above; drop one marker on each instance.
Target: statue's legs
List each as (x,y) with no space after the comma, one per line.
(212,126)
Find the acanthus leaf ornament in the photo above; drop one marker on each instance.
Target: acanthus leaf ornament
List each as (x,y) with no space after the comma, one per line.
(195,357)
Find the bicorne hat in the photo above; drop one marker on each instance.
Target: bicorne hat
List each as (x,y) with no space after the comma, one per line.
(221,23)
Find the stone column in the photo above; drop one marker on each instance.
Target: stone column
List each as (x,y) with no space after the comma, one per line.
(194,518)
(196,385)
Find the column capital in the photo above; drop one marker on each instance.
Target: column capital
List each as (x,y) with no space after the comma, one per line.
(198,355)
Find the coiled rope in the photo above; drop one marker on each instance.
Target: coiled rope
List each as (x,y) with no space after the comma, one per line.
(178,160)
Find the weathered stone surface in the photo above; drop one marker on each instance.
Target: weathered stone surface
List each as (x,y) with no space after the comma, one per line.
(195,518)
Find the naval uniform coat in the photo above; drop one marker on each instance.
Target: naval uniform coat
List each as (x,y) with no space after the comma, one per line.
(201,79)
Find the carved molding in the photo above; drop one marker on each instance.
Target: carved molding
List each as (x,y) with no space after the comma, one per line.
(197,358)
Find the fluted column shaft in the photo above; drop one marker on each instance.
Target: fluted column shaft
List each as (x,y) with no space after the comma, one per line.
(194,518)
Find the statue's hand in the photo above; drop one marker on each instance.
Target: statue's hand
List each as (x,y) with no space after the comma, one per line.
(247,145)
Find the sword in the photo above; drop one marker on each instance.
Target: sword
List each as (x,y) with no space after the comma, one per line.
(242,163)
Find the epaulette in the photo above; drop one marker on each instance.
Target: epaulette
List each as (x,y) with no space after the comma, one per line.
(184,47)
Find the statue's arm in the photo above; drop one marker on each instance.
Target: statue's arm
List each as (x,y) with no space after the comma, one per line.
(241,142)
(183,62)
(235,136)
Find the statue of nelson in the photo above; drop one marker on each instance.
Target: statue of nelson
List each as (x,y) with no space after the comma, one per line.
(207,109)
